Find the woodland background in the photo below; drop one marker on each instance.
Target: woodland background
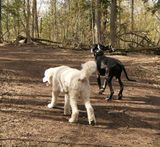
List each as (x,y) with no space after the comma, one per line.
(80,23)
(39,34)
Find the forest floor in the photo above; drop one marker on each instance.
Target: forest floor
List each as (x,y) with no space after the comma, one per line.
(25,119)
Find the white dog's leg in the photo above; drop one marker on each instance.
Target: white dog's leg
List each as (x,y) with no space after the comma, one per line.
(75,112)
(53,100)
(67,109)
(90,113)
(85,94)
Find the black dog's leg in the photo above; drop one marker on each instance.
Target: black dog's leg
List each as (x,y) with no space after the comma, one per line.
(110,87)
(102,89)
(99,80)
(105,82)
(121,89)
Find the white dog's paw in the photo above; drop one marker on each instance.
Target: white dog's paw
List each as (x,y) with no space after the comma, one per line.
(50,105)
(71,120)
(92,120)
(74,118)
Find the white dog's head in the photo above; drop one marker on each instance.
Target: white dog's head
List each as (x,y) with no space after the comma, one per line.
(88,69)
(48,76)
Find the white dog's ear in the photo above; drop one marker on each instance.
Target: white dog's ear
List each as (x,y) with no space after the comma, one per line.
(82,65)
(45,80)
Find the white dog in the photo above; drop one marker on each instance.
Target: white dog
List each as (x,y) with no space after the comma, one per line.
(73,83)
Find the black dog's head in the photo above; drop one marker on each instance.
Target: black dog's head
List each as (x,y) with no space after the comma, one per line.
(99,49)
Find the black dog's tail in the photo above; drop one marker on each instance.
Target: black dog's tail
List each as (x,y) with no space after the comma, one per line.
(127,75)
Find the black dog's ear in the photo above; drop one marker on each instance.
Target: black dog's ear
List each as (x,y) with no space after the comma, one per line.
(104,48)
(110,48)
(93,48)
(97,48)
(101,47)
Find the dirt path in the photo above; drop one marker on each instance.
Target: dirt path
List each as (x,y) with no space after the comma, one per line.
(25,119)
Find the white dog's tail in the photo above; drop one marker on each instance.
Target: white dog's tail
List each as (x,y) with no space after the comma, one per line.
(88,69)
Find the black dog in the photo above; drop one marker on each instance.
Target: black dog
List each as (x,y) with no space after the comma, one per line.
(108,67)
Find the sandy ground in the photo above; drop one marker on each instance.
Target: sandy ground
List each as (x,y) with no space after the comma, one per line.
(25,119)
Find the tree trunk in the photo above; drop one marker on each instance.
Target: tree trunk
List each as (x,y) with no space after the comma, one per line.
(132,15)
(28,23)
(1,40)
(119,24)
(35,30)
(7,22)
(98,22)
(113,22)
(66,23)
(92,21)
(54,31)
(132,19)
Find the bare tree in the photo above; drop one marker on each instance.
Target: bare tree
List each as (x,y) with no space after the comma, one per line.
(1,21)
(132,15)
(97,22)
(54,31)
(113,22)
(7,22)
(119,22)
(92,21)
(35,29)
(28,22)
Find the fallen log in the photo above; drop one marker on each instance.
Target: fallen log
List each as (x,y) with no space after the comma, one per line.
(148,50)
(22,40)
